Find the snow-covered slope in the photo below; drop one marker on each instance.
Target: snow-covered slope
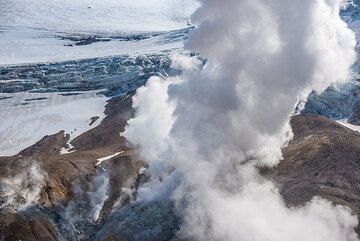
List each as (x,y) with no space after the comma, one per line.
(27,117)
(45,30)
(28,46)
(96,15)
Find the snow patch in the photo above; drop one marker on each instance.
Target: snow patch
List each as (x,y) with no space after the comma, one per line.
(348,125)
(67,150)
(23,123)
(100,160)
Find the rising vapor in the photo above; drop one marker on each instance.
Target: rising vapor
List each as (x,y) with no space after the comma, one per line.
(23,189)
(216,125)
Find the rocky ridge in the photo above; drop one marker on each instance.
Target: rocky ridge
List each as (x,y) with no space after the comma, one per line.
(81,200)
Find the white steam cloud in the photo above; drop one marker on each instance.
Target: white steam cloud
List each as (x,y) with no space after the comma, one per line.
(89,199)
(22,190)
(216,124)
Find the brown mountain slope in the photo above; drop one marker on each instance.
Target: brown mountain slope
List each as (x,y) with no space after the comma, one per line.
(322,160)
(63,172)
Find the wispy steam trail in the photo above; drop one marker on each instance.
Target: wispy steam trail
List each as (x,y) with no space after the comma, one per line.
(215,125)
(22,190)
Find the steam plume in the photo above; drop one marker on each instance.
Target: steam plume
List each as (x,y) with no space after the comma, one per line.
(23,189)
(222,121)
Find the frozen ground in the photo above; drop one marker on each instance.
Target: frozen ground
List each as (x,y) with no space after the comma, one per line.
(28,117)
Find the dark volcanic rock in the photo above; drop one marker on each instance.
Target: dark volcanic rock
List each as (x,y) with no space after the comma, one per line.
(152,221)
(322,160)
(22,228)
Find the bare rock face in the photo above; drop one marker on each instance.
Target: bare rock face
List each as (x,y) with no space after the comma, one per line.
(322,160)
(23,228)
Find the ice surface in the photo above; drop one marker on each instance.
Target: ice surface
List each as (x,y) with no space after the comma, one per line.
(96,15)
(32,46)
(335,102)
(39,30)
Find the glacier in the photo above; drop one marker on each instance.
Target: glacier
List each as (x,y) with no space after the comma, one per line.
(341,102)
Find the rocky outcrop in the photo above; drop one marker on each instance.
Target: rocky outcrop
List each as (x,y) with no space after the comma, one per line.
(322,160)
